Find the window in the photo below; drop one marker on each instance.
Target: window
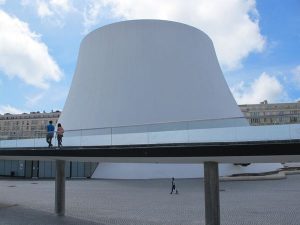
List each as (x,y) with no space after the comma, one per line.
(34,122)
(254,113)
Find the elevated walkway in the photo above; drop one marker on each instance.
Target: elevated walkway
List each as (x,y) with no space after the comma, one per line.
(221,152)
(209,146)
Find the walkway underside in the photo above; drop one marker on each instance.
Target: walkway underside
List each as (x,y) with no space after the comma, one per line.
(238,152)
(209,153)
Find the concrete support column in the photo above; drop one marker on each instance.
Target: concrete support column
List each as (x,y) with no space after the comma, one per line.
(60,188)
(212,200)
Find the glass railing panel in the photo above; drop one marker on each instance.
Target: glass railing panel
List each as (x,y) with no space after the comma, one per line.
(92,137)
(295,131)
(217,123)
(174,132)
(217,130)
(129,135)
(277,132)
(163,137)
(212,135)
(40,134)
(41,142)
(171,126)
(8,143)
(71,138)
(25,143)
(130,139)
(261,133)
(251,133)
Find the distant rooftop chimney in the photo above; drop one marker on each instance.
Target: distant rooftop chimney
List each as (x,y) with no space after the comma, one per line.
(264,102)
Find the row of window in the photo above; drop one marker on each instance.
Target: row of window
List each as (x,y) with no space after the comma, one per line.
(35,116)
(25,129)
(25,123)
(18,128)
(262,107)
(279,120)
(280,113)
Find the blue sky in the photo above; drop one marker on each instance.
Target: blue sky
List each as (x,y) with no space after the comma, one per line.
(257,43)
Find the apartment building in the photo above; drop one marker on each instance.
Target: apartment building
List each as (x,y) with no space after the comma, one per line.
(274,113)
(26,125)
(33,125)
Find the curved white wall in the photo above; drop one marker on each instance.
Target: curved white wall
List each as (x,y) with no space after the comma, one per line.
(146,72)
(142,171)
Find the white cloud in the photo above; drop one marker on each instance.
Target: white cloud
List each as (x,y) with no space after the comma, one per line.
(63,5)
(25,2)
(33,100)
(266,87)
(232,25)
(53,12)
(9,109)
(56,9)
(91,14)
(43,9)
(24,55)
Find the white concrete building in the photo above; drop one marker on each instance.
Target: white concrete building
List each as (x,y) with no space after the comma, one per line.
(149,75)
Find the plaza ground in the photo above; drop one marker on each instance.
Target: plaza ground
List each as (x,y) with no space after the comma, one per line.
(148,202)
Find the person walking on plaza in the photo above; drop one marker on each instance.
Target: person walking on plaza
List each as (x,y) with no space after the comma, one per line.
(59,134)
(50,133)
(173,188)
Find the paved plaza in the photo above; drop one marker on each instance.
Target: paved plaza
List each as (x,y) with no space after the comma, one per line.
(148,202)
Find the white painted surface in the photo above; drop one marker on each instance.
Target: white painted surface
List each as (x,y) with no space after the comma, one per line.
(152,170)
(147,72)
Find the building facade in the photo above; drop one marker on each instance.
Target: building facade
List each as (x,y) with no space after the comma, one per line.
(33,125)
(271,114)
(26,125)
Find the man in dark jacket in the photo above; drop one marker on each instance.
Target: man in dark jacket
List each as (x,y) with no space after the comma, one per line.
(50,133)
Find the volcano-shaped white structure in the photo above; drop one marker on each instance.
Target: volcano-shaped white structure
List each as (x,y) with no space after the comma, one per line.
(147,72)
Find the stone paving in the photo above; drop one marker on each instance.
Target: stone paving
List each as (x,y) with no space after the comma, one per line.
(148,202)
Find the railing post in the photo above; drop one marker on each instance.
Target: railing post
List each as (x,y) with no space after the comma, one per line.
(188,132)
(34,138)
(148,135)
(211,187)
(80,137)
(111,138)
(60,188)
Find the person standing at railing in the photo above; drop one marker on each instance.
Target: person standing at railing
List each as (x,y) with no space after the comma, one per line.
(50,133)
(59,134)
